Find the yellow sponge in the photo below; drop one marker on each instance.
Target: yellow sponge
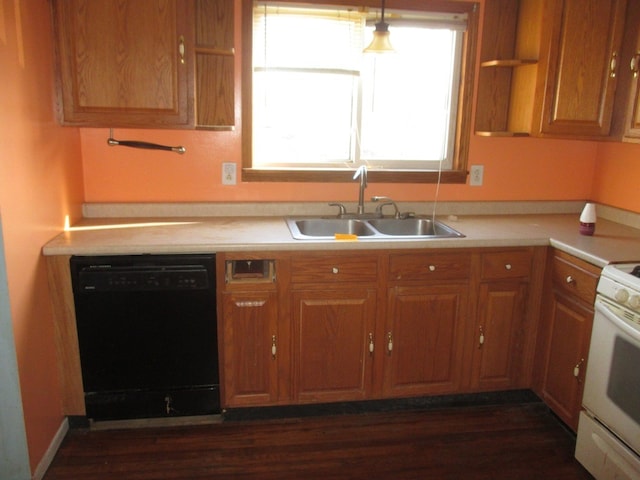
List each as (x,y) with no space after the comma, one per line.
(345,236)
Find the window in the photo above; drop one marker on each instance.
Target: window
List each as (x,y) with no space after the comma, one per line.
(318,105)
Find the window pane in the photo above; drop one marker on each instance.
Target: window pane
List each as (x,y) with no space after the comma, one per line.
(302,117)
(306,38)
(407,97)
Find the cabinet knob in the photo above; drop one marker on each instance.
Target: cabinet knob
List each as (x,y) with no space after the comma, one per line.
(507,266)
(481,338)
(432,268)
(370,343)
(335,270)
(389,343)
(570,279)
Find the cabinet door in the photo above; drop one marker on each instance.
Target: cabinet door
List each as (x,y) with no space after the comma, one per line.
(498,346)
(424,341)
(584,46)
(566,358)
(215,99)
(633,124)
(250,348)
(333,331)
(124,63)
(631,71)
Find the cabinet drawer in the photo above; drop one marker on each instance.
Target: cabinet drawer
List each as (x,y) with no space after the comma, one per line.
(510,264)
(334,269)
(430,266)
(575,278)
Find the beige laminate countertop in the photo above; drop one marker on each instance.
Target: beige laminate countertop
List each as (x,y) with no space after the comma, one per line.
(612,242)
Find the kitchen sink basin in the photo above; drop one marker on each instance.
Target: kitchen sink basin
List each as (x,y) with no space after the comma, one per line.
(378,228)
(328,227)
(421,227)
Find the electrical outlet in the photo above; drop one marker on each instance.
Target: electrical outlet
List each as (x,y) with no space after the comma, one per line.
(476,175)
(228,173)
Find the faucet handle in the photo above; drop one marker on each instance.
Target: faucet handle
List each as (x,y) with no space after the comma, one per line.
(343,210)
(386,201)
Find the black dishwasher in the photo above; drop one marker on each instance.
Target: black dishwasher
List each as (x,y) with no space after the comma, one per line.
(147,333)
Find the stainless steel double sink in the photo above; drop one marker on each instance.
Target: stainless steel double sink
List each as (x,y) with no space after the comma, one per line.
(375,228)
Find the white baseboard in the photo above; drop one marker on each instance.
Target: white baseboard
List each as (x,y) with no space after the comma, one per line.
(44,464)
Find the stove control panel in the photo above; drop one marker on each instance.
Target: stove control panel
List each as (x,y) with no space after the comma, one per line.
(621,293)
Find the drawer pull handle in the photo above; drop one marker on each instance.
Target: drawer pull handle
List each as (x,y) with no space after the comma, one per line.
(250,303)
(389,343)
(507,266)
(634,64)
(370,343)
(335,270)
(576,369)
(570,279)
(273,347)
(181,49)
(432,268)
(613,64)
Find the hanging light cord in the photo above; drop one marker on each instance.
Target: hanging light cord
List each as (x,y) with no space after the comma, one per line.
(435,199)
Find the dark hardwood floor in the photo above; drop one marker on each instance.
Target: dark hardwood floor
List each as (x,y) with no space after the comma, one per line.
(514,442)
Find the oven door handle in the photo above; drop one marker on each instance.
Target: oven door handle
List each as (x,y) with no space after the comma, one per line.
(615,315)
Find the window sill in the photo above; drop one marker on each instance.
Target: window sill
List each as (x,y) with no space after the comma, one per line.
(346,175)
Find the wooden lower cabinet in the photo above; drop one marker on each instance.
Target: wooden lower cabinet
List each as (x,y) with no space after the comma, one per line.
(333,331)
(250,345)
(498,335)
(565,334)
(342,326)
(424,340)
(504,331)
(566,358)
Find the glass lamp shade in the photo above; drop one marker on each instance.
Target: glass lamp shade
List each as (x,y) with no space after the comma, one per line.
(380,42)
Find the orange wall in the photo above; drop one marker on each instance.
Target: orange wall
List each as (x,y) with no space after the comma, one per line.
(618,175)
(40,181)
(515,169)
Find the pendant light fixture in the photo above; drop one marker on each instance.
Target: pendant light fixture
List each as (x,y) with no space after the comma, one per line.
(380,42)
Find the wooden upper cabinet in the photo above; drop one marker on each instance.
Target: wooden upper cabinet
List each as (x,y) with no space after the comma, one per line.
(559,78)
(584,48)
(215,99)
(627,108)
(145,63)
(124,63)
(497,65)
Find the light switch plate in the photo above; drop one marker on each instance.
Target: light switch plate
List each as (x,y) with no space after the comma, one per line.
(228,173)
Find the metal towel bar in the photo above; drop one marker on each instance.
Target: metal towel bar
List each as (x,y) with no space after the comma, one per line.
(137,144)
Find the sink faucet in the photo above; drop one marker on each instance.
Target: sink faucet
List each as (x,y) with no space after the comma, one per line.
(362,173)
